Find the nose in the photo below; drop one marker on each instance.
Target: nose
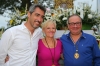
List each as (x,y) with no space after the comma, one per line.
(75,25)
(52,30)
(40,19)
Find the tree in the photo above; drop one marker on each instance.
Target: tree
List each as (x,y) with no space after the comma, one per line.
(9,4)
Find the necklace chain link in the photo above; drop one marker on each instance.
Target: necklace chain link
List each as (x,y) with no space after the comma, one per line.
(53,57)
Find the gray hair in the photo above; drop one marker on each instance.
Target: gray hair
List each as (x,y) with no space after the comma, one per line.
(34,6)
(72,16)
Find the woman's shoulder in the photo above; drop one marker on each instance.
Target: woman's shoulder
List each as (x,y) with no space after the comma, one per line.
(58,40)
(40,41)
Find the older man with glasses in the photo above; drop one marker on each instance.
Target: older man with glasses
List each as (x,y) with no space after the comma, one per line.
(79,48)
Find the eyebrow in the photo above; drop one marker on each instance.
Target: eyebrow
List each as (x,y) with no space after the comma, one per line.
(74,22)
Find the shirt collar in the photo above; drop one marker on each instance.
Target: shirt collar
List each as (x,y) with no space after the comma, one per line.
(23,25)
(82,36)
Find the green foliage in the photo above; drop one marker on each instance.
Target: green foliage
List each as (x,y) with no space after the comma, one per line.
(86,26)
(17,17)
(62,23)
(2,29)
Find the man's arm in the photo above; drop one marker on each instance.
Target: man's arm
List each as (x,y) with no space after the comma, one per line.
(96,54)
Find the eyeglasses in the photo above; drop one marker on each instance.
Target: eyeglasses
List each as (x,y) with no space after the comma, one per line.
(73,24)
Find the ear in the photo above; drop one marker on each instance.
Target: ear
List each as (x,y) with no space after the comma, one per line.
(28,14)
(68,27)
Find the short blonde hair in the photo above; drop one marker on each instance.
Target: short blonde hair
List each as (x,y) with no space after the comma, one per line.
(50,21)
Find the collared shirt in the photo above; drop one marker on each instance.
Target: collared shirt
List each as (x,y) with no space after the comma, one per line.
(88,51)
(20,45)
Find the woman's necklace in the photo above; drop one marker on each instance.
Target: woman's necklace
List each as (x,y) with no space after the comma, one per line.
(53,57)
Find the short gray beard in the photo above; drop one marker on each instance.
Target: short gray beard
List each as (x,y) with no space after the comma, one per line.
(33,26)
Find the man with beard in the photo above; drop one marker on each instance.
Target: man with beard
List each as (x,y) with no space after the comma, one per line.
(20,42)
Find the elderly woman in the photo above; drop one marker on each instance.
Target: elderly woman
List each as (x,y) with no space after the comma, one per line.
(49,48)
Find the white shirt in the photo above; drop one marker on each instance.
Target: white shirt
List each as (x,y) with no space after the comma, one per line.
(20,45)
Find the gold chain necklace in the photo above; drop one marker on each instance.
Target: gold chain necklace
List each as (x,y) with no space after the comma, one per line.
(76,55)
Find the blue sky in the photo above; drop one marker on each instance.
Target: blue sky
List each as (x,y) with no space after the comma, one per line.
(3,20)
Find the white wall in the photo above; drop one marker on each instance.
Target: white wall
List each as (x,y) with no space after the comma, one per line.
(59,33)
(92,3)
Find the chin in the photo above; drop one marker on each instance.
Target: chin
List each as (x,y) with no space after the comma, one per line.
(35,27)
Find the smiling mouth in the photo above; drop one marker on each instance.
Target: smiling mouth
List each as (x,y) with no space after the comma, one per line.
(37,22)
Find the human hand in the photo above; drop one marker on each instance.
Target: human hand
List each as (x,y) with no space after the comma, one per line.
(7,58)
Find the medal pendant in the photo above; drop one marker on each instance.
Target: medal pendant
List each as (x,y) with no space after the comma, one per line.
(76,55)
(53,64)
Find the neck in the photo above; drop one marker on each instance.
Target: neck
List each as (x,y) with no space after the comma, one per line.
(29,28)
(75,37)
(50,42)
(49,38)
